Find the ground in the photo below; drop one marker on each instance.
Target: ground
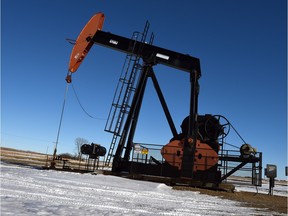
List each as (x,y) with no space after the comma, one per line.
(258,200)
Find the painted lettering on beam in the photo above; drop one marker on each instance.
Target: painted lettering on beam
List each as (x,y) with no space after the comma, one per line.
(159,55)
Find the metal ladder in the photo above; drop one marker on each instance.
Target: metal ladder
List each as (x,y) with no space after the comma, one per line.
(124,92)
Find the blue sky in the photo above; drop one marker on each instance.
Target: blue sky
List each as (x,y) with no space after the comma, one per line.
(242,46)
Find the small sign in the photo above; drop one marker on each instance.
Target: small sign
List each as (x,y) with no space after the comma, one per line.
(137,149)
(145,151)
(271,171)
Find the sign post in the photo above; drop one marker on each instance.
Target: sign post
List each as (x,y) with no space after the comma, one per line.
(271,173)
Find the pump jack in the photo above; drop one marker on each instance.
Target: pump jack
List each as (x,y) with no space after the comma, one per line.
(192,154)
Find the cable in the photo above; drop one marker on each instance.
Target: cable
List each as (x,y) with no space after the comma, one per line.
(231,145)
(83,107)
(59,128)
(237,133)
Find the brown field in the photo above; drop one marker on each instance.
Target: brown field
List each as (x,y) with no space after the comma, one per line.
(44,160)
(257,200)
(271,203)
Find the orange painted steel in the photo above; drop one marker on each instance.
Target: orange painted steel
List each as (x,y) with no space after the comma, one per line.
(84,41)
(205,156)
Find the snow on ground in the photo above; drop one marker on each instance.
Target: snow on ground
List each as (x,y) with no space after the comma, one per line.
(241,184)
(28,191)
(279,190)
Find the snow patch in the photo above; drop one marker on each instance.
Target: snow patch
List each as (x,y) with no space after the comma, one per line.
(28,191)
